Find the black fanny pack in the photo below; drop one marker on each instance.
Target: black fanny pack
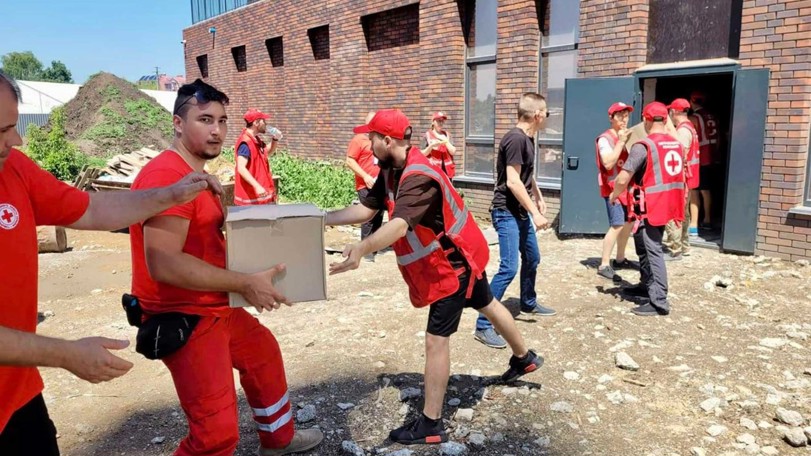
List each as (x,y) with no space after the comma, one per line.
(161,334)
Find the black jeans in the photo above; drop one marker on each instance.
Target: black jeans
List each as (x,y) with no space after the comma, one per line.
(372,225)
(30,432)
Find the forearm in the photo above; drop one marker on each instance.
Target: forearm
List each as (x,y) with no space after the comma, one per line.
(610,160)
(271,148)
(186,271)
(620,185)
(247,176)
(521,194)
(355,167)
(427,150)
(18,348)
(451,148)
(387,235)
(109,211)
(351,215)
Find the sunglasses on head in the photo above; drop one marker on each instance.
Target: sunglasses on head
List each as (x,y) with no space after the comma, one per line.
(198,95)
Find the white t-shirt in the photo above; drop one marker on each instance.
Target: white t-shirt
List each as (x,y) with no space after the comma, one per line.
(604,147)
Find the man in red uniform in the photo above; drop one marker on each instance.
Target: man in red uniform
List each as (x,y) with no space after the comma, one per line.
(362,162)
(438,146)
(178,266)
(678,237)
(441,253)
(611,155)
(655,172)
(30,196)
(706,126)
(253,181)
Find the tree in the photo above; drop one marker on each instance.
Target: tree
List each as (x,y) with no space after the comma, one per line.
(57,72)
(22,65)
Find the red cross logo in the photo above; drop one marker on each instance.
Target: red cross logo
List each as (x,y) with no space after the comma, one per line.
(673,163)
(9,216)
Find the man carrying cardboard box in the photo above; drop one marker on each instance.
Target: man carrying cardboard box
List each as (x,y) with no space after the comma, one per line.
(180,280)
(441,253)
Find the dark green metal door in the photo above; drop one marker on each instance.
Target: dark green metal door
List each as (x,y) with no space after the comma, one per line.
(747,134)
(582,210)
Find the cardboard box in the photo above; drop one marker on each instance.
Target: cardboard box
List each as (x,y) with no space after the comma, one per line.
(260,237)
(638,132)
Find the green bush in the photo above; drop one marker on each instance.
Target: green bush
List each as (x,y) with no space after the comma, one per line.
(53,151)
(324,184)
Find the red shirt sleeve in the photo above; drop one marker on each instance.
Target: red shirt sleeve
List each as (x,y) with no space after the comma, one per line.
(160,178)
(54,202)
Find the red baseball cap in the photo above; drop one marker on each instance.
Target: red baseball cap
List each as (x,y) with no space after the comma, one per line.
(618,107)
(388,122)
(697,96)
(654,111)
(440,115)
(679,105)
(252,115)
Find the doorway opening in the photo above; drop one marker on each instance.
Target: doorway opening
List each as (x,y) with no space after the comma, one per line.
(718,91)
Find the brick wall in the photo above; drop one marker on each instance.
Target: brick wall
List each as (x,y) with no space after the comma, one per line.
(776,34)
(613,37)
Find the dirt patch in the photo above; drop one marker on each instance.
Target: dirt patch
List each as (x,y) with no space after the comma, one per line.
(111,116)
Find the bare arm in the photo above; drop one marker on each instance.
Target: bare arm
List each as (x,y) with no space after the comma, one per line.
(164,238)
(115,210)
(242,169)
(387,235)
(517,188)
(351,215)
(620,185)
(271,148)
(355,167)
(88,358)
(610,160)
(451,147)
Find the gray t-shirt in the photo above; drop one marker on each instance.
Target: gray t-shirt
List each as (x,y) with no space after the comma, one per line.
(636,162)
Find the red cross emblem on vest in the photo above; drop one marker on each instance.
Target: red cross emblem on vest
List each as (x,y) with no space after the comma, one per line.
(9,216)
(673,163)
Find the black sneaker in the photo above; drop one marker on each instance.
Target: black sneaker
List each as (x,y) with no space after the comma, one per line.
(637,291)
(647,310)
(624,264)
(519,367)
(422,430)
(607,272)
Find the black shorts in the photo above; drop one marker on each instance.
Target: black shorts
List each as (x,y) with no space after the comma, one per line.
(30,431)
(445,314)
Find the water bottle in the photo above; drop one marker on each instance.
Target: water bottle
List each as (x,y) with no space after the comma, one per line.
(274,133)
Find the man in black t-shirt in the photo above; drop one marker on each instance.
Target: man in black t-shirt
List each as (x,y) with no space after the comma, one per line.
(518,210)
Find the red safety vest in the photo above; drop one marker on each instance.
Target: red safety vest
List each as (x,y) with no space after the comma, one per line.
(606,178)
(660,198)
(707,130)
(422,260)
(693,161)
(258,166)
(440,156)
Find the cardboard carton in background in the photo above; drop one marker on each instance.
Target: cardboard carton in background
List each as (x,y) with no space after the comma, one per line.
(260,237)
(638,132)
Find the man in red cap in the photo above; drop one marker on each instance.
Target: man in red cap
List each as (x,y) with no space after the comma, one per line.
(362,162)
(707,128)
(653,177)
(611,155)
(678,239)
(438,146)
(254,180)
(441,253)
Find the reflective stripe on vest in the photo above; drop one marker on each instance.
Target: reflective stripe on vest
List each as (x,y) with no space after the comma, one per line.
(419,251)
(704,140)
(657,172)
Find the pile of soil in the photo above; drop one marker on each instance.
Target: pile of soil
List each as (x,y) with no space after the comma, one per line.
(112,116)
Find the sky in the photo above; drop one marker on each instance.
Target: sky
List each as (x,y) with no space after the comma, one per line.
(128,38)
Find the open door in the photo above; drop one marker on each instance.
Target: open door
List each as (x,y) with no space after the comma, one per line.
(582,210)
(751,93)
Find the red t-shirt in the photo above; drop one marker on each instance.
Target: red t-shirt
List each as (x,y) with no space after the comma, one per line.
(360,149)
(204,240)
(29,196)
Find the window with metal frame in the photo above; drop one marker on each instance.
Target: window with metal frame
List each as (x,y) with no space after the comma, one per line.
(559,21)
(480,24)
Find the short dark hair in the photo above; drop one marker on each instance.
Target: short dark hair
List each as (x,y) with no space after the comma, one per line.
(198,89)
(8,81)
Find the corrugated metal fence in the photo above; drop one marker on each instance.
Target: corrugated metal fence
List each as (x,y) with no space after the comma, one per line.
(24,120)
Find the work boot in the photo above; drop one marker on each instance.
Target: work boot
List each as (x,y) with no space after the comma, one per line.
(624,264)
(490,338)
(303,440)
(420,431)
(522,366)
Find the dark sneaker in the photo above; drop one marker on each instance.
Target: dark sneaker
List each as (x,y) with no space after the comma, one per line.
(607,272)
(519,367)
(540,311)
(370,258)
(624,264)
(420,431)
(303,440)
(490,338)
(637,291)
(673,257)
(647,310)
